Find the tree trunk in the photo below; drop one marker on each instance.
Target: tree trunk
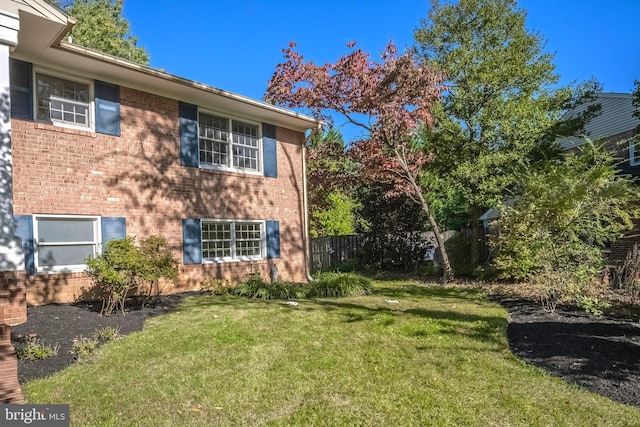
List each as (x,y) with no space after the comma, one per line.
(447,273)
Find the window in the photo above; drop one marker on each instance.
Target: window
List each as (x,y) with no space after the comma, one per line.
(228,241)
(63,243)
(228,143)
(62,101)
(634,153)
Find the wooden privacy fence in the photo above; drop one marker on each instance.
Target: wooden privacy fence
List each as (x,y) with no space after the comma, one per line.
(331,250)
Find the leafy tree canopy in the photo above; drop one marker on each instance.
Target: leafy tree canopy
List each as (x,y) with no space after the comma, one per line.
(101,25)
(501,101)
(330,186)
(388,99)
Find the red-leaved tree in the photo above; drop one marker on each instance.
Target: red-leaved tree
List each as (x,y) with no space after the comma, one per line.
(390,100)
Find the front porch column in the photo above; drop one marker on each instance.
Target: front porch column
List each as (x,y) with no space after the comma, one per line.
(13,305)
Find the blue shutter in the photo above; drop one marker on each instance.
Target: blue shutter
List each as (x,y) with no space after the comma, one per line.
(189,150)
(273,239)
(191,241)
(24,230)
(113,228)
(107,108)
(270,150)
(21,82)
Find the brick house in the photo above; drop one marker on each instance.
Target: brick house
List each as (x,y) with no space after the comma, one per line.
(104,148)
(94,147)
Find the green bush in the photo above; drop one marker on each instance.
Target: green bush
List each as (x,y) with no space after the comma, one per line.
(257,287)
(593,305)
(32,348)
(339,285)
(123,267)
(564,215)
(325,285)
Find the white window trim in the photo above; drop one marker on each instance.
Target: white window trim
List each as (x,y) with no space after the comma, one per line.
(230,167)
(632,153)
(233,257)
(71,77)
(97,227)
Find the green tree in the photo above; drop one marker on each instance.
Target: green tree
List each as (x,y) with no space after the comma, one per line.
(101,25)
(502,99)
(564,215)
(332,205)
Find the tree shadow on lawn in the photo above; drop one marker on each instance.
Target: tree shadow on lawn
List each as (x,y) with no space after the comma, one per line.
(431,291)
(487,329)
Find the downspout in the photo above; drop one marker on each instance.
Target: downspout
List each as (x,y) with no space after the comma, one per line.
(305,204)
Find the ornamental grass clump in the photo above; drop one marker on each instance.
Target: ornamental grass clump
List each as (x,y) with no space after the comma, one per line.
(257,287)
(339,285)
(33,348)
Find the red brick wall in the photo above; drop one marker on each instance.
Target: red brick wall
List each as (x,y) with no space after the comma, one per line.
(621,247)
(139,176)
(13,311)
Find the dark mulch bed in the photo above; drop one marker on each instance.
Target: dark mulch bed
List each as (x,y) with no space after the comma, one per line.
(601,354)
(59,324)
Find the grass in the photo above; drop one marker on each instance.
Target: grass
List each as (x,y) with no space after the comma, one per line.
(439,356)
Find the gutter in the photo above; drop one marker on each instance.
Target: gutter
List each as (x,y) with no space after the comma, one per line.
(307,246)
(162,75)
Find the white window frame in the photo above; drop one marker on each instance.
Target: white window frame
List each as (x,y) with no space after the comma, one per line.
(234,256)
(229,166)
(633,159)
(61,123)
(97,242)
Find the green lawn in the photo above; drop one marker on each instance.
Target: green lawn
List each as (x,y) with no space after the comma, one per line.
(437,357)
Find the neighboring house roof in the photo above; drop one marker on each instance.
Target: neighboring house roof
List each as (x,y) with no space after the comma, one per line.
(494,213)
(43,26)
(616,117)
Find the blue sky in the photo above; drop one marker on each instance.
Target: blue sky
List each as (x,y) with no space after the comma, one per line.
(235,44)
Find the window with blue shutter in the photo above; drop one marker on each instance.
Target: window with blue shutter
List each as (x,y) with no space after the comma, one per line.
(270,150)
(107,108)
(273,239)
(23,225)
(189,148)
(191,241)
(21,82)
(113,228)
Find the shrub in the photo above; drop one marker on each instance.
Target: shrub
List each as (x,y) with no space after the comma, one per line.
(217,286)
(564,214)
(555,286)
(257,287)
(339,285)
(34,349)
(593,305)
(83,347)
(123,267)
